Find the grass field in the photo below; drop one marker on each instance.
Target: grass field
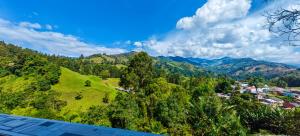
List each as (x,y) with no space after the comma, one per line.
(72,83)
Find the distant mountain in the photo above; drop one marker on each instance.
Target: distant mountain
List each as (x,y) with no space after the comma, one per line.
(170,66)
(238,67)
(235,67)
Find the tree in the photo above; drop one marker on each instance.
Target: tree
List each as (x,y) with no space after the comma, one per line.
(81,56)
(224,87)
(104,74)
(208,116)
(106,98)
(124,112)
(96,115)
(285,22)
(88,83)
(139,73)
(172,112)
(281,83)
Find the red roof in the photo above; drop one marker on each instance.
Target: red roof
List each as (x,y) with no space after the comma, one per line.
(288,105)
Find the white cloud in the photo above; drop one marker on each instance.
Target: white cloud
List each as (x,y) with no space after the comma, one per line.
(26,35)
(216,11)
(224,28)
(30,25)
(48,27)
(138,44)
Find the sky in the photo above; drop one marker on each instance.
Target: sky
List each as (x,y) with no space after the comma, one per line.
(189,28)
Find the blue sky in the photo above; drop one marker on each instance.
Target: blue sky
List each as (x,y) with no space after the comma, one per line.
(102,21)
(189,28)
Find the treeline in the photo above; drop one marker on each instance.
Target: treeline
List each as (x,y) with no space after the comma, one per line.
(86,66)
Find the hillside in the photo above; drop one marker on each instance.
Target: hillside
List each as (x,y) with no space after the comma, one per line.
(235,67)
(238,67)
(170,66)
(72,84)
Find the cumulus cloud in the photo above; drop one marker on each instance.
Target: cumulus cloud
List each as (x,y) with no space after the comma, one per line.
(225,28)
(26,35)
(216,11)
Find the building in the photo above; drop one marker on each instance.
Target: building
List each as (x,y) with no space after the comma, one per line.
(288,105)
(26,126)
(273,102)
(296,105)
(278,90)
(266,89)
(251,89)
(244,85)
(260,96)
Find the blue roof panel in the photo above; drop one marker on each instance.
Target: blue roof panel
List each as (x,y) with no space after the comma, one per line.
(26,126)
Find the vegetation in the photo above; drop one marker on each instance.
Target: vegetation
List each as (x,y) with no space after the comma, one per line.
(87,83)
(72,84)
(161,97)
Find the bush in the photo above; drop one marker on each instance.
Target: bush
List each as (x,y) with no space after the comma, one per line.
(88,83)
(78,96)
(106,98)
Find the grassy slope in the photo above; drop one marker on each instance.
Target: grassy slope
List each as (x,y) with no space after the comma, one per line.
(71,83)
(14,83)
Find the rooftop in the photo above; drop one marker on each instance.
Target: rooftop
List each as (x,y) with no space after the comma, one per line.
(27,126)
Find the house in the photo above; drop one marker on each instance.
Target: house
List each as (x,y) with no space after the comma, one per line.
(273,101)
(251,89)
(244,85)
(268,102)
(289,94)
(296,91)
(297,97)
(266,89)
(243,90)
(265,103)
(288,105)
(260,96)
(278,101)
(225,96)
(295,104)
(278,90)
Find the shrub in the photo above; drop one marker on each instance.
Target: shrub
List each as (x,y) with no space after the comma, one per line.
(88,83)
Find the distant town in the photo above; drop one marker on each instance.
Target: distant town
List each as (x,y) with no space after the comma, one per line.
(286,98)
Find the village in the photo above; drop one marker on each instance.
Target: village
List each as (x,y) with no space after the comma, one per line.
(272,96)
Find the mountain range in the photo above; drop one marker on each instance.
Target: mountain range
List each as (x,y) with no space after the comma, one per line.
(238,67)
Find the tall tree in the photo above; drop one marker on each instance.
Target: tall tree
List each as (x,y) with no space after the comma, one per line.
(139,73)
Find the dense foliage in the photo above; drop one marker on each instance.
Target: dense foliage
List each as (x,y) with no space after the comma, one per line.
(35,98)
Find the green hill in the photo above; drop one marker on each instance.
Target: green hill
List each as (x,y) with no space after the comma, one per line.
(72,84)
(14,83)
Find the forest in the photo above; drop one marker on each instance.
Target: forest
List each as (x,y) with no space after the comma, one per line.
(160,99)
